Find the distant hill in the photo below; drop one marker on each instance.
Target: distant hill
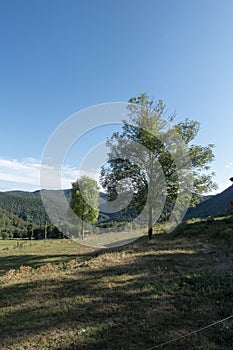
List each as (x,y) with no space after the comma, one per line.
(36,194)
(29,207)
(24,193)
(213,206)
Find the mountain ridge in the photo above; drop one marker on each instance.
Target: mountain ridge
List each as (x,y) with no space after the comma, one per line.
(29,205)
(215,205)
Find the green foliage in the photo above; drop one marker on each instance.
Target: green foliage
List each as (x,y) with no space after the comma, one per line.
(52,232)
(144,143)
(84,200)
(12,226)
(27,206)
(22,215)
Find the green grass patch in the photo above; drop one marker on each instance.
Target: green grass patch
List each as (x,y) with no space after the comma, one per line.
(60,295)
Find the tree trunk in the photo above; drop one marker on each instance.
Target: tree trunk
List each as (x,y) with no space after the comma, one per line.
(150,222)
(82,230)
(45,231)
(32,233)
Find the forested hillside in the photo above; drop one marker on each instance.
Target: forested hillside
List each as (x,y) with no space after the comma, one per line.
(215,205)
(12,226)
(25,205)
(20,210)
(29,207)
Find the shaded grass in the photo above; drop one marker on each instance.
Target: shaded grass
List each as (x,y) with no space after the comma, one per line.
(218,230)
(36,253)
(66,296)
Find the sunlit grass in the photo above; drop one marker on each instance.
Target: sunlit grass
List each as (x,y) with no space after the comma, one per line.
(57,294)
(111,239)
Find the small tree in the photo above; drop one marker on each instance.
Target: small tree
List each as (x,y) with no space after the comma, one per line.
(84,200)
(142,154)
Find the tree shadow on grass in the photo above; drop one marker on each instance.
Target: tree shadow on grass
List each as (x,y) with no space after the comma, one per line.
(159,294)
(16,261)
(35,260)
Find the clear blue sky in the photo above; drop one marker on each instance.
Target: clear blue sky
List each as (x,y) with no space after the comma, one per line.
(59,56)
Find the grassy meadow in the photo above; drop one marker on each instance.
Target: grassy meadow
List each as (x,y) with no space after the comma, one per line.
(58,294)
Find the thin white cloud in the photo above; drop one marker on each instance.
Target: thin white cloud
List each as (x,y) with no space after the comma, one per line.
(229,165)
(13,172)
(25,175)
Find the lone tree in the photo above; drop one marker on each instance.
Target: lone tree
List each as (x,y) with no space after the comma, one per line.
(141,158)
(84,200)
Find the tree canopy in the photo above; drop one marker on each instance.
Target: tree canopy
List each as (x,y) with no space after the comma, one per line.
(159,163)
(84,200)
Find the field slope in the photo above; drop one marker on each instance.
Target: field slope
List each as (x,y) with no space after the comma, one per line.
(61,295)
